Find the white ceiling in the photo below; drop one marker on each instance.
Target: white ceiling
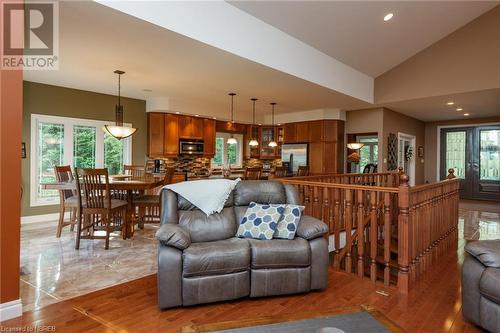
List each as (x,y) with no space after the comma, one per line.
(95,40)
(354,32)
(478,104)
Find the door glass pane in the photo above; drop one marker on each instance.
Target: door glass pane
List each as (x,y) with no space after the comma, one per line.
(368,153)
(489,163)
(84,146)
(455,153)
(232,153)
(219,151)
(50,154)
(113,154)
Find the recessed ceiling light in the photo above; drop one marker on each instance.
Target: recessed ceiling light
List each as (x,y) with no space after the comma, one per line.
(460,109)
(389,16)
(466,114)
(278,124)
(197,115)
(260,124)
(450,103)
(177,112)
(214,118)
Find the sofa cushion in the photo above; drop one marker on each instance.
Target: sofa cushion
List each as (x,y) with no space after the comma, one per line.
(489,285)
(486,251)
(214,258)
(280,253)
(239,212)
(310,227)
(289,221)
(203,228)
(173,235)
(264,192)
(260,221)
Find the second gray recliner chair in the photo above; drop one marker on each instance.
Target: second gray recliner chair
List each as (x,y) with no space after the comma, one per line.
(200,260)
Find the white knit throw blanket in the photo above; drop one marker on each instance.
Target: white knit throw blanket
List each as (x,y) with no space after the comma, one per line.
(209,195)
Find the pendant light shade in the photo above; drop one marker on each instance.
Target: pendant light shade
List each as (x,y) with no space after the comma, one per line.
(253,142)
(273,143)
(232,140)
(118,130)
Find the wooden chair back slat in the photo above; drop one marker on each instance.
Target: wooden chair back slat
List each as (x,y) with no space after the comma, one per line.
(303,171)
(134,170)
(95,186)
(253,173)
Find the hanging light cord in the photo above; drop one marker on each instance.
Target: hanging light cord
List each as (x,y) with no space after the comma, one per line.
(119,87)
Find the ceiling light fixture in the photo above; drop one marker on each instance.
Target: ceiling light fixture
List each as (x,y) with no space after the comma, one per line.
(388,16)
(450,103)
(466,114)
(118,130)
(460,109)
(253,142)
(232,140)
(273,143)
(355,145)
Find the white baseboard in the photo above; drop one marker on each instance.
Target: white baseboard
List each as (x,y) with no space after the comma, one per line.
(11,310)
(42,218)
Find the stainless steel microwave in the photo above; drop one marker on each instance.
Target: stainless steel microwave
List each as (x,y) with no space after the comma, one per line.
(191,147)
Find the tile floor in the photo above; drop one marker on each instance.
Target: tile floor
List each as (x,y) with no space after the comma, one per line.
(55,271)
(52,270)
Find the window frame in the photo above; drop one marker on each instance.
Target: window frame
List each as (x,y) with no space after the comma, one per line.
(371,145)
(225,136)
(68,158)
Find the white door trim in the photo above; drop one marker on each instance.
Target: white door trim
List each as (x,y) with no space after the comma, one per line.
(12,309)
(412,139)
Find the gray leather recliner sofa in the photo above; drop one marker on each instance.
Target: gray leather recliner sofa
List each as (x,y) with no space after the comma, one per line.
(481,284)
(200,260)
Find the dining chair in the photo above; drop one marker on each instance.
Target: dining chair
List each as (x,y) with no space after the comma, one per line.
(279,172)
(303,170)
(67,199)
(100,212)
(148,206)
(134,170)
(253,173)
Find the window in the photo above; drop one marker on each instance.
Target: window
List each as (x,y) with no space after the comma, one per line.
(69,141)
(369,152)
(231,155)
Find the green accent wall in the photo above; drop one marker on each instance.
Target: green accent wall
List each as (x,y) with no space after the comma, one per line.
(59,101)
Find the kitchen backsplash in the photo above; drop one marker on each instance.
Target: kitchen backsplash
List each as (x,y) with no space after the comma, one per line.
(200,166)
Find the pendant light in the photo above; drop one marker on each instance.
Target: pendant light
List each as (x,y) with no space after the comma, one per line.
(273,143)
(232,140)
(253,142)
(118,130)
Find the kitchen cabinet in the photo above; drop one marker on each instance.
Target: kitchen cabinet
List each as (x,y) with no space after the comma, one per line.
(290,133)
(155,134)
(190,127)
(171,140)
(268,134)
(165,130)
(324,157)
(209,137)
(302,132)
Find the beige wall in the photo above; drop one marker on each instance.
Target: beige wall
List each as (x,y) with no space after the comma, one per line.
(366,121)
(395,122)
(60,101)
(385,121)
(431,142)
(466,60)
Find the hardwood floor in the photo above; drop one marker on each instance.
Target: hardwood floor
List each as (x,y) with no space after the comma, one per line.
(433,306)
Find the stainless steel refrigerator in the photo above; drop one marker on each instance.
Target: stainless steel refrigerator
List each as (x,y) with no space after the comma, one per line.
(294,155)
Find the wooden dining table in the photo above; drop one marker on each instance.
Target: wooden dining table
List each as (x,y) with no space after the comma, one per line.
(126,183)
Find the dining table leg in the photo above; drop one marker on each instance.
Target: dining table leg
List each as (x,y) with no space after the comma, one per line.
(130,214)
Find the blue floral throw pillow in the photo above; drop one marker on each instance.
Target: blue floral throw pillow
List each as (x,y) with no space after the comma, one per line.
(287,225)
(260,221)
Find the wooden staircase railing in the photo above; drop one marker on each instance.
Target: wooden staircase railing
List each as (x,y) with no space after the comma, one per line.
(380,227)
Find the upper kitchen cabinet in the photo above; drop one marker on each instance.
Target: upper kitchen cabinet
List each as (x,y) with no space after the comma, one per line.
(190,127)
(209,137)
(156,132)
(290,133)
(171,142)
(302,132)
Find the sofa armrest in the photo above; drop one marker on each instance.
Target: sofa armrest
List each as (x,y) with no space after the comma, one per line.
(310,228)
(486,251)
(173,235)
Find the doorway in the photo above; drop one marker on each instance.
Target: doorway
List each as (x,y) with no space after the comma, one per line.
(474,154)
(406,155)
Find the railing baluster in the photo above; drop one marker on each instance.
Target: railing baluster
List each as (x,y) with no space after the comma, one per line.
(361,234)
(387,237)
(348,229)
(337,219)
(373,235)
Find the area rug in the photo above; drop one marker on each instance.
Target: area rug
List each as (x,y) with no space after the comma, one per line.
(364,319)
